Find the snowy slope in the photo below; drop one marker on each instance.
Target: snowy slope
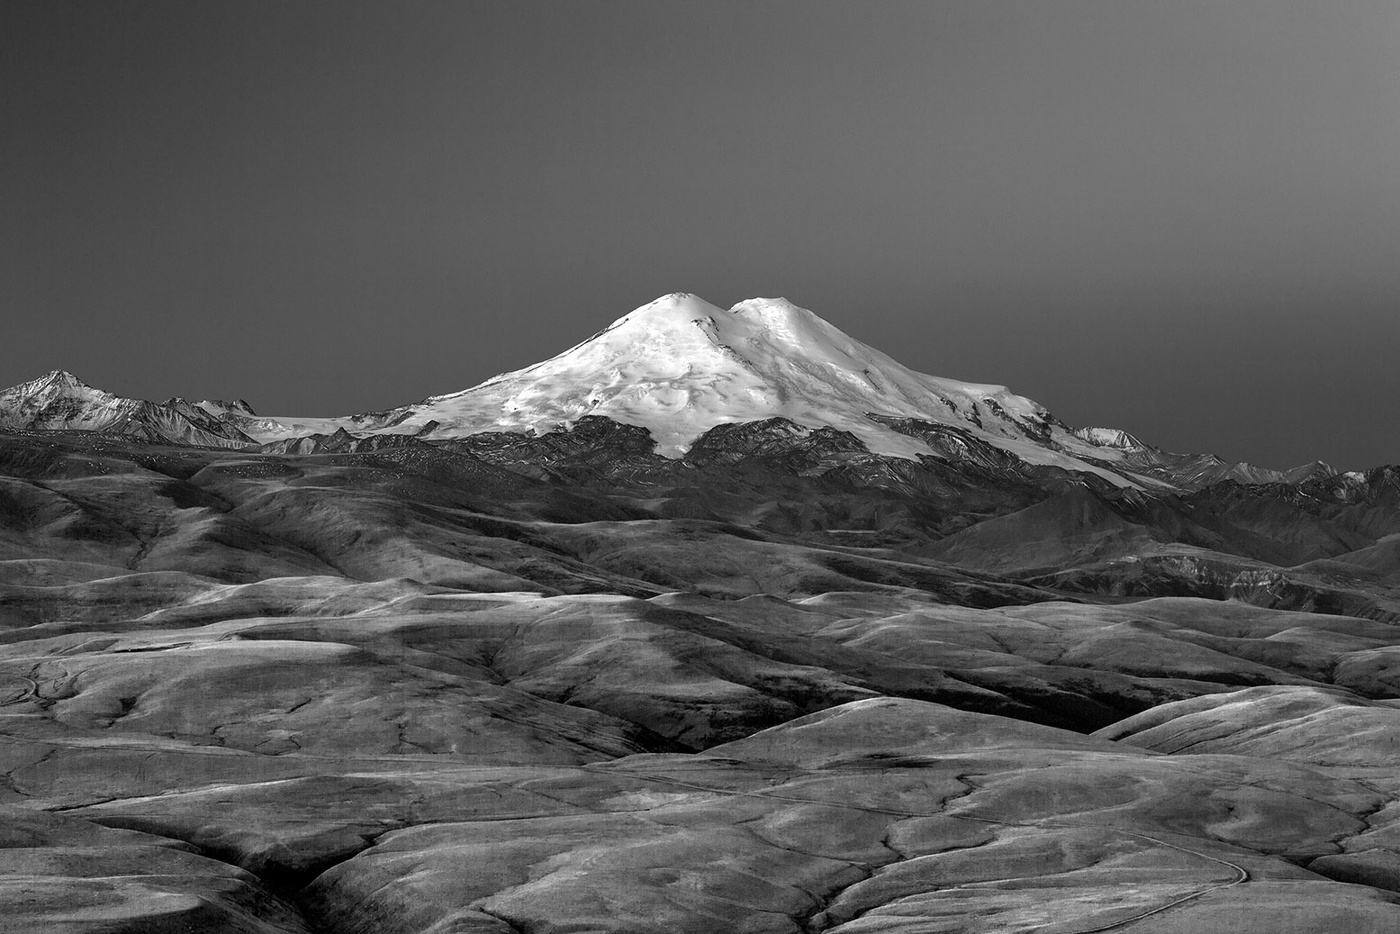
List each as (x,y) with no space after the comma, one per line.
(679,366)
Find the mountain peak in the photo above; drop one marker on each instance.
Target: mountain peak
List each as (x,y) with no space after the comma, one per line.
(678,366)
(57,379)
(53,386)
(62,376)
(770,307)
(683,308)
(677,308)
(59,401)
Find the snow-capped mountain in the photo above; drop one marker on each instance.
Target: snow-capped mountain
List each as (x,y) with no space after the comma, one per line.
(678,367)
(60,401)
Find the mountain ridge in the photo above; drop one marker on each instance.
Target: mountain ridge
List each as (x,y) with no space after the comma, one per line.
(678,367)
(60,401)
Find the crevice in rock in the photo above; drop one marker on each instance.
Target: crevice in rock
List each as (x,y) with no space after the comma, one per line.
(510,925)
(280,882)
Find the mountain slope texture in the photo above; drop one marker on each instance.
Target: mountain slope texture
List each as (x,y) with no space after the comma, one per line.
(717,621)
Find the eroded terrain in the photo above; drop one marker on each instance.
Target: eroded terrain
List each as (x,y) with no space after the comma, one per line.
(560,684)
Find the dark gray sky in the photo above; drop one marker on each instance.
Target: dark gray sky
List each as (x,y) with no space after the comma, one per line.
(1181,219)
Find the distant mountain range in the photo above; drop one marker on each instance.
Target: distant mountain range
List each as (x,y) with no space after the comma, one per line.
(717,621)
(59,401)
(679,367)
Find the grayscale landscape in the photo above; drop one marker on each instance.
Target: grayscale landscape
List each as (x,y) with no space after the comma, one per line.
(662,467)
(847,648)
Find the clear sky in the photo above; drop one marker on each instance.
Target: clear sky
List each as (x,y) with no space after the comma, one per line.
(1181,219)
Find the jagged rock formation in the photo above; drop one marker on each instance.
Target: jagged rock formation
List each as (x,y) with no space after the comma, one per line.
(60,401)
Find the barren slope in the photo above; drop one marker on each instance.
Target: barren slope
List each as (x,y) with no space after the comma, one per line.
(560,683)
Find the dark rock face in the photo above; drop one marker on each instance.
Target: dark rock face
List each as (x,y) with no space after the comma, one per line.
(953,444)
(779,441)
(533,683)
(594,449)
